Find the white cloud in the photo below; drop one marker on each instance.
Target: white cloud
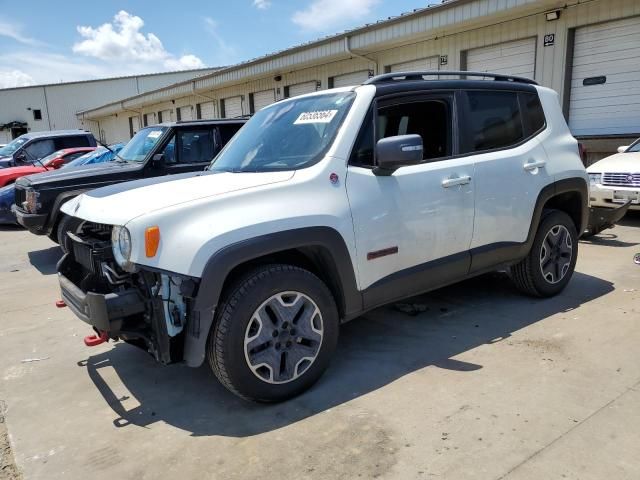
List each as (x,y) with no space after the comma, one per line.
(327,15)
(15,78)
(123,41)
(261,4)
(13,30)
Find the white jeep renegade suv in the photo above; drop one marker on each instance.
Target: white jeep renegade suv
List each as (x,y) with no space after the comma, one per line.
(325,206)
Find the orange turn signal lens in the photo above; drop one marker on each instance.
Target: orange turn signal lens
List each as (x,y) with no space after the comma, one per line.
(151,241)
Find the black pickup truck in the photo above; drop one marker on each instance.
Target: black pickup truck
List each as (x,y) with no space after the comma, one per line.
(163,149)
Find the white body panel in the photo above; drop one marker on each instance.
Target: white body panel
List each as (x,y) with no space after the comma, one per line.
(412,211)
(263,99)
(513,58)
(610,50)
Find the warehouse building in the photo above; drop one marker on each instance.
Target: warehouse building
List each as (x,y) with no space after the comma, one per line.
(54,106)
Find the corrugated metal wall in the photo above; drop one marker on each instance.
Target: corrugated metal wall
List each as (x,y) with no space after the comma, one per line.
(448,33)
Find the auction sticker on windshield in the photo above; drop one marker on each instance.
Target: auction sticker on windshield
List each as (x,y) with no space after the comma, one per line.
(322,116)
(155,134)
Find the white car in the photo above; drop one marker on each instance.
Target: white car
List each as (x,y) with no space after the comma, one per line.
(325,206)
(616,179)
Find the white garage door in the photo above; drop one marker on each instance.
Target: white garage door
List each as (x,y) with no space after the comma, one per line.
(186,113)
(349,79)
(232,107)
(605,80)
(208,111)
(164,116)
(262,99)
(513,58)
(431,63)
(302,88)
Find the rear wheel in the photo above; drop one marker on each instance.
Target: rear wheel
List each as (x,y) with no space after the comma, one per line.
(548,267)
(275,333)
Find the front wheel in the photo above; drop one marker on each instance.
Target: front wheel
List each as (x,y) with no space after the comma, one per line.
(548,267)
(275,332)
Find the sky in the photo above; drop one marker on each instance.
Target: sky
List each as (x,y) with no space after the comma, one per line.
(51,41)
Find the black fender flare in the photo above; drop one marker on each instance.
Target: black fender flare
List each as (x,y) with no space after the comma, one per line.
(219,266)
(55,213)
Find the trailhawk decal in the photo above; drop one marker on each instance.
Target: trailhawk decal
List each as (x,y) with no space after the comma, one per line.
(322,116)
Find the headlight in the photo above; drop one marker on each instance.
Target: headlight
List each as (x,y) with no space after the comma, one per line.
(121,246)
(595,178)
(31,201)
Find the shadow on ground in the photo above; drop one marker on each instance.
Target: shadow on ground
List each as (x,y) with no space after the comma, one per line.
(374,350)
(45,261)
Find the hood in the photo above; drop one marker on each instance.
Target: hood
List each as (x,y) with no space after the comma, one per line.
(121,203)
(618,163)
(92,171)
(19,171)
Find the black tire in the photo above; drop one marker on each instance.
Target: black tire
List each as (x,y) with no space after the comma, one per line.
(226,344)
(528,275)
(64,225)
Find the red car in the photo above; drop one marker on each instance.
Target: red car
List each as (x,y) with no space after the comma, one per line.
(51,162)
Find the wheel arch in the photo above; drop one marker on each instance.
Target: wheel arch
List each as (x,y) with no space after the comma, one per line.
(321,250)
(56,215)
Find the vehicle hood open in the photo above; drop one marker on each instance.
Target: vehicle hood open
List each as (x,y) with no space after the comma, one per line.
(618,163)
(121,203)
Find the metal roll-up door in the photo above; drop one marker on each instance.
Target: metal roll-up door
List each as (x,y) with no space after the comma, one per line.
(186,113)
(430,63)
(208,111)
(134,125)
(262,99)
(605,79)
(513,58)
(232,107)
(349,79)
(164,116)
(302,88)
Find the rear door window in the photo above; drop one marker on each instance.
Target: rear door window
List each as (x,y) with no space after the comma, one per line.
(494,121)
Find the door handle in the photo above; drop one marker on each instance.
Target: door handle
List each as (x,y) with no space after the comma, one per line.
(453,181)
(533,165)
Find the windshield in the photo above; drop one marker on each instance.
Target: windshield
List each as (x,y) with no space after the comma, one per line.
(287,136)
(635,147)
(12,147)
(99,155)
(141,144)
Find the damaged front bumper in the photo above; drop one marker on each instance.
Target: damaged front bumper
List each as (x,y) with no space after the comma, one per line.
(147,309)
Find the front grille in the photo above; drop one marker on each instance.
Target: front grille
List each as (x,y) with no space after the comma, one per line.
(621,179)
(21,196)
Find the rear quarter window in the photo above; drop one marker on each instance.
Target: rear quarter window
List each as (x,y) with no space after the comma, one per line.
(532,113)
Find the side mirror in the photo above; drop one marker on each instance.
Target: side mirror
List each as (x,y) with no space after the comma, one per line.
(57,163)
(395,152)
(21,157)
(157,161)
(623,148)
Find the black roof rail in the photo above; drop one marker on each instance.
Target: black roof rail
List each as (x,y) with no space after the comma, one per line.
(419,75)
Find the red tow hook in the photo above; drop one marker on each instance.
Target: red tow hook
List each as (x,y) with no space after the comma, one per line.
(94,340)
(60,304)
